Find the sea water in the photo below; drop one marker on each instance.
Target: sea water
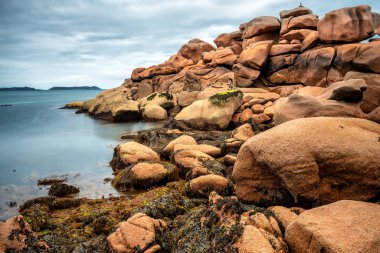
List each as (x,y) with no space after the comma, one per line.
(38,140)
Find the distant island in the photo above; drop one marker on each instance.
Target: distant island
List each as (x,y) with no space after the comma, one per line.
(76,88)
(19,89)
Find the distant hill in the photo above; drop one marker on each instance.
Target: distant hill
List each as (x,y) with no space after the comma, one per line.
(76,88)
(19,89)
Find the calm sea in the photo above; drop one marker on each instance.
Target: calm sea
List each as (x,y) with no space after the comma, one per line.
(37,140)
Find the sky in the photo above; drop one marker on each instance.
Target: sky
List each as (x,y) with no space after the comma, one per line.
(46,43)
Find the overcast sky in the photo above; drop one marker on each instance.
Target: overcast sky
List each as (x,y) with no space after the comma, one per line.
(46,43)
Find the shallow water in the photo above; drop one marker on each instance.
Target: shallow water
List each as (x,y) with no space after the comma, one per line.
(37,140)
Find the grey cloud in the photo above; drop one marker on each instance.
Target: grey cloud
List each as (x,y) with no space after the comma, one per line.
(45,43)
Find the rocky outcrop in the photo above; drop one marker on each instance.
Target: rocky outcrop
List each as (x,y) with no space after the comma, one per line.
(344,226)
(204,185)
(310,165)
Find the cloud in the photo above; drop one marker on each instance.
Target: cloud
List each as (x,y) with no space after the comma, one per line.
(75,42)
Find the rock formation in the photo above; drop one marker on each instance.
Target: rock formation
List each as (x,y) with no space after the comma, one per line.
(319,160)
(283,114)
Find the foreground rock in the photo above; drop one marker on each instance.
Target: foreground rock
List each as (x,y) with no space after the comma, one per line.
(318,160)
(213,113)
(137,234)
(344,226)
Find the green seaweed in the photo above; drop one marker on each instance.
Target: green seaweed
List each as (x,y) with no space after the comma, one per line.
(151,96)
(221,97)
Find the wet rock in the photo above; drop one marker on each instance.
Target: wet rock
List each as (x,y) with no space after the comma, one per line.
(350,24)
(130,153)
(311,162)
(213,228)
(51,181)
(214,113)
(136,234)
(62,190)
(97,244)
(204,185)
(344,226)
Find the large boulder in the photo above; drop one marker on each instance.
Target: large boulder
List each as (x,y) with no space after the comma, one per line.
(371,99)
(260,25)
(344,226)
(128,111)
(114,104)
(341,99)
(350,24)
(310,161)
(212,113)
(144,175)
(256,54)
(228,39)
(312,66)
(137,234)
(194,48)
(299,11)
(368,57)
(153,112)
(131,152)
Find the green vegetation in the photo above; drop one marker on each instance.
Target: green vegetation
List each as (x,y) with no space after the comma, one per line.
(221,97)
